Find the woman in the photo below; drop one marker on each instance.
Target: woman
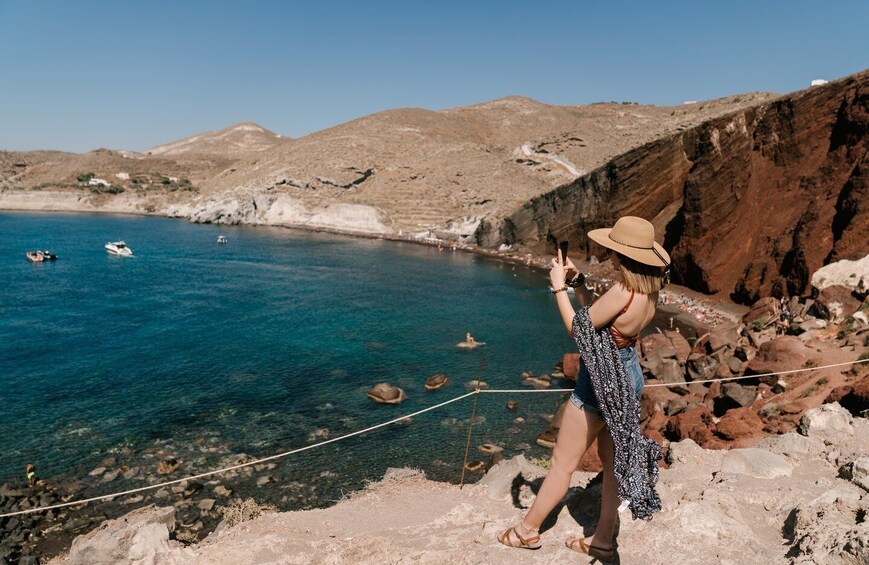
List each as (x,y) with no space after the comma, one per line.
(626,308)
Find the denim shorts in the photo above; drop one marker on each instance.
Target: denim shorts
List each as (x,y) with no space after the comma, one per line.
(583,394)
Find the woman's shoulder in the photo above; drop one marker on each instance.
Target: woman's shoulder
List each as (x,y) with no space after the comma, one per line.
(619,290)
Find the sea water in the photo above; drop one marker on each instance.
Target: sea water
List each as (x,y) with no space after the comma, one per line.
(204,352)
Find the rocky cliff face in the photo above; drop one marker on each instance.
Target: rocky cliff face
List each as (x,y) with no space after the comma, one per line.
(749,204)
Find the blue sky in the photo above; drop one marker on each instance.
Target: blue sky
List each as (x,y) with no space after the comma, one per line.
(130,75)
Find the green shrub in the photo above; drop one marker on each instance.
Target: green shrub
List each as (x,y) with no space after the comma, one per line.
(84,177)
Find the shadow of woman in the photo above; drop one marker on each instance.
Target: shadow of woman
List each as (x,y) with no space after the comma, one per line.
(583,504)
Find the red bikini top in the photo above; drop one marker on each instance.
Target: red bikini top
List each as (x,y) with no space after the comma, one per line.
(623,341)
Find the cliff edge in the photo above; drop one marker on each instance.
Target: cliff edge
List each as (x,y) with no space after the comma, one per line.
(795,498)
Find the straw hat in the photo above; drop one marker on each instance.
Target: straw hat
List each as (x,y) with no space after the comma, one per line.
(635,238)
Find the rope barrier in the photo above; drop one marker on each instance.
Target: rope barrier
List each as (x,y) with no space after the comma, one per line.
(240,465)
(381,425)
(471,422)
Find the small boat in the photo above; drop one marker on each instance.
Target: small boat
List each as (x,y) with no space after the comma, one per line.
(35,256)
(119,248)
(222,239)
(48,255)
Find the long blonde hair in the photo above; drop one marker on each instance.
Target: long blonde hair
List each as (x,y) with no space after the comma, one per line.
(639,277)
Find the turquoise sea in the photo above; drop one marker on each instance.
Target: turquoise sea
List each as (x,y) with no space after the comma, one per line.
(203,352)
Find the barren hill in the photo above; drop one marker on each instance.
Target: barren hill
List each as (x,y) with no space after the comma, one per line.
(419,168)
(230,143)
(399,170)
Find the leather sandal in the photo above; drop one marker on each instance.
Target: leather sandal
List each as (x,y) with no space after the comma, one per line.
(604,555)
(532,542)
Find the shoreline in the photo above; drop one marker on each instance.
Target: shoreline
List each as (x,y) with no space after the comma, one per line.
(672,297)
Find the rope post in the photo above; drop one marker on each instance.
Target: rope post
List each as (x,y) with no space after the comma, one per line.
(471,422)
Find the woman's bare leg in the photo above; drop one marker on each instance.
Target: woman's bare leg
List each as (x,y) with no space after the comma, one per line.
(609,500)
(578,431)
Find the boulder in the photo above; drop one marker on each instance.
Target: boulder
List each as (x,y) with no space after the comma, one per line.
(206,504)
(826,422)
(687,452)
(792,445)
(757,463)
(763,311)
(675,405)
(859,401)
(657,421)
(680,344)
(670,372)
(490,448)
(696,424)
(734,364)
(436,382)
(656,343)
(570,365)
(740,423)
(221,490)
(475,466)
(812,324)
(745,353)
(740,395)
(547,439)
(858,472)
(142,536)
(781,354)
(167,466)
(512,405)
(835,303)
(851,274)
(385,393)
(500,478)
(701,367)
(722,337)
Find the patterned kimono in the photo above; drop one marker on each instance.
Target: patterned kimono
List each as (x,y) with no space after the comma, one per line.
(636,456)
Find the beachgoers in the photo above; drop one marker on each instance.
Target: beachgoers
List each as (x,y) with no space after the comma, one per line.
(30,471)
(612,325)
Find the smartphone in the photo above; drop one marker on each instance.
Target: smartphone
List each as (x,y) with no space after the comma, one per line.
(562,245)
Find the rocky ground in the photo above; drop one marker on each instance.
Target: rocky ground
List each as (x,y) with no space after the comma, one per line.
(800,497)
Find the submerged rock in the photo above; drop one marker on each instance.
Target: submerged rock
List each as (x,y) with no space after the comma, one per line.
(385,393)
(436,382)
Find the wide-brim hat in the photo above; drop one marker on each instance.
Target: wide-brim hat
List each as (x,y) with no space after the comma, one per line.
(635,238)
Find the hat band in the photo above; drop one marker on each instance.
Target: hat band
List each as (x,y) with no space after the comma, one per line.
(628,244)
(666,264)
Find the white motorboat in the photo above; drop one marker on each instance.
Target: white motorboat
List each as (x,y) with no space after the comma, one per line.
(119,248)
(222,239)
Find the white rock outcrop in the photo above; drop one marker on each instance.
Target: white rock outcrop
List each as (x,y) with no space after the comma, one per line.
(852,274)
(827,422)
(142,536)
